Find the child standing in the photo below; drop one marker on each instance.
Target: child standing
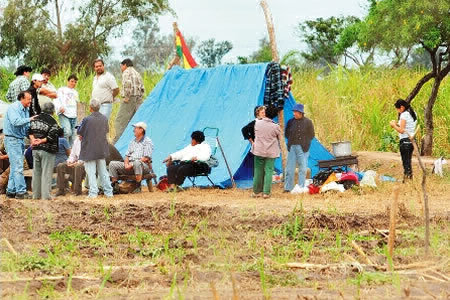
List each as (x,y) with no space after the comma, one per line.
(66,108)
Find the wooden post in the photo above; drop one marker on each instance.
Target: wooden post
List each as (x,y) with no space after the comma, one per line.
(424,192)
(392,225)
(275,58)
(176,60)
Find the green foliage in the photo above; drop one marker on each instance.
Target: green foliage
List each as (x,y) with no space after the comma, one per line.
(329,40)
(151,50)
(211,52)
(33,30)
(397,23)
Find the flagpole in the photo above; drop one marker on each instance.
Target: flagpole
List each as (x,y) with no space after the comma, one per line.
(275,58)
(176,59)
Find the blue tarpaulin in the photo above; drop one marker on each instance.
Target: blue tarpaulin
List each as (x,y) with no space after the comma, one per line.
(223,97)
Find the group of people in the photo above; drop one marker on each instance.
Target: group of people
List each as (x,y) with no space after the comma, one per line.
(81,149)
(265,138)
(61,143)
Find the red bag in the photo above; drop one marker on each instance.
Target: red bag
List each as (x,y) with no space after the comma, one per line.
(313,189)
(163,183)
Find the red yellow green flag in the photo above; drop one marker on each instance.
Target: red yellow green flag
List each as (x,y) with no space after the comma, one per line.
(183,52)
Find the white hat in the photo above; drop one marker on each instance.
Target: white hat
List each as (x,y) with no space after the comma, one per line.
(37,77)
(140,124)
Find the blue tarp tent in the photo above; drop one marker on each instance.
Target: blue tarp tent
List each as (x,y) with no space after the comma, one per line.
(222,97)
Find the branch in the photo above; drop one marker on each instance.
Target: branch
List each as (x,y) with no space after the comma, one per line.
(419,86)
(444,71)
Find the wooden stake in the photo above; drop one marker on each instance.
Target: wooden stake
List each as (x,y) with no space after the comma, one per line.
(10,247)
(275,58)
(424,192)
(361,252)
(393,224)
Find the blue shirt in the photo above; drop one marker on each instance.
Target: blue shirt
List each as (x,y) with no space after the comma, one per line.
(61,155)
(17,120)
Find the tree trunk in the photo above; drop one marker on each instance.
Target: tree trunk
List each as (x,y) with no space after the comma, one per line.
(58,20)
(427,140)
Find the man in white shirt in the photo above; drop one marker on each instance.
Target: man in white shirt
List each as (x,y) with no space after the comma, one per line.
(66,108)
(190,161)
(74,167)
(104,88)
(47,92)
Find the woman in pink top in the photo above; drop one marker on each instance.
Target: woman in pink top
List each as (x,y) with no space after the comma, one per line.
(265,148)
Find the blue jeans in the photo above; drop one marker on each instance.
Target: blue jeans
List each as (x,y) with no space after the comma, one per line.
(15,149)
(98,166)
(106,109)
(68,125)
(296,156)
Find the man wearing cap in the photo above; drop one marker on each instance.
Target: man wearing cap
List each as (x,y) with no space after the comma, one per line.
(132,94)
(36,82)
(94,149)
(21,83)
(137,159)
(299,133)
(104,88)
(47,92)
(15,126)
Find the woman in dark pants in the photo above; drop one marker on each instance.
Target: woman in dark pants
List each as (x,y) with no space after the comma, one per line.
(405,126)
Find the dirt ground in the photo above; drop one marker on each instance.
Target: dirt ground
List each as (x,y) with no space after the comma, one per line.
(222,244)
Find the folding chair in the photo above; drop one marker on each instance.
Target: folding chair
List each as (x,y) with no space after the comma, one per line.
(211,134)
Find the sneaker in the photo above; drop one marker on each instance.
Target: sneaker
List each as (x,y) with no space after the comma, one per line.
(10,195)
(266,196)
(286,191)
(25,195)
(256,195)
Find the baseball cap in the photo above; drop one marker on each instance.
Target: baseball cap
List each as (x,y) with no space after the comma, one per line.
(299,107)
(37,77)
(140,124)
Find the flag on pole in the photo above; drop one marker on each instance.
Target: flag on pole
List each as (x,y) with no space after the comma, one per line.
(183,52)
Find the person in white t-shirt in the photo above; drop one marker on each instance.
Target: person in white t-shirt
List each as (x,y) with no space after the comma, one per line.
(66,108)
(406,126)
(104,88)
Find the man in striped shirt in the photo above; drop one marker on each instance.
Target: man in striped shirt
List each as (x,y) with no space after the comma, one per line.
(132,94)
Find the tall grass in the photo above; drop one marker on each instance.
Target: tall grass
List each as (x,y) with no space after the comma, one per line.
(357,105)
(354,105)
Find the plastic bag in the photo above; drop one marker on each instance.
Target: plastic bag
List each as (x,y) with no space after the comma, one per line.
(299,190)
(332,186)
(369,179)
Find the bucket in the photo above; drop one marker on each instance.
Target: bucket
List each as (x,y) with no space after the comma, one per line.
(342,148)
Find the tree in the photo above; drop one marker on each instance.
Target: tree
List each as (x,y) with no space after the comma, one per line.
(211,52)
(394,24)
(330,40)
(264,54)
(33,29)
(150,49)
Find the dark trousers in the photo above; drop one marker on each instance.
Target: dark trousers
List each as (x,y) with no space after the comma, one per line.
(76,176)
(177,172)
(406,151)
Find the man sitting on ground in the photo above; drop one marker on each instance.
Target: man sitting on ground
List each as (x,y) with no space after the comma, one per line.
(189,161)
(137,159)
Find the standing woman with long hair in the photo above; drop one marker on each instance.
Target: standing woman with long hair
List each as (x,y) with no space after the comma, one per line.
(406,125)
